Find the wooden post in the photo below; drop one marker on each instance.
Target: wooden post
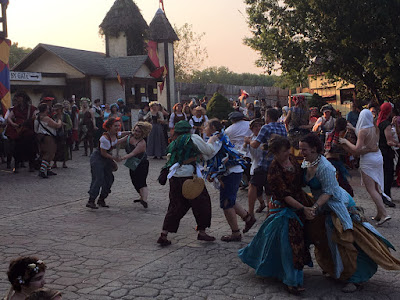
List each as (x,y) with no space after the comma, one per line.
(3,21)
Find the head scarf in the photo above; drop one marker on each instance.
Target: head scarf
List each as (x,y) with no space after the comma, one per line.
(182,127)
(386,110)
(298,100)
(114,104)
(365,120)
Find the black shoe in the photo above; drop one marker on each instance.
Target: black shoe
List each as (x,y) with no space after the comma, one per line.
(102,203)
(205,237)
(144,203)
(91,205)
(163,241)
(388,202)
(51,173)
(43,175)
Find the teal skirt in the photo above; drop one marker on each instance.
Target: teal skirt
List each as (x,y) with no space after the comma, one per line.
(270,252)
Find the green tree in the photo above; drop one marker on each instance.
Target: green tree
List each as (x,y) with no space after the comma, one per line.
(357,41)
(223,75)
(188,51)
(218,107)
(17,53)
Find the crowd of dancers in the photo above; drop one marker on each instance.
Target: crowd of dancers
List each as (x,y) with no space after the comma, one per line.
(275,152)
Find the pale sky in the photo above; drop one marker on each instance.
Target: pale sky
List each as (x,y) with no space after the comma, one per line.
(75,24)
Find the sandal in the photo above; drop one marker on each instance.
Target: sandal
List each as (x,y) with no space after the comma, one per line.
(261,208)
(249,223)
(234,237)
(163,241)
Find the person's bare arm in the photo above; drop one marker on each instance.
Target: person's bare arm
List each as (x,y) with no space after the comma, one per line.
(52,123)
(140,148)
(287,120)
(389,137)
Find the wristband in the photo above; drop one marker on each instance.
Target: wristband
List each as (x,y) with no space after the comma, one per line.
(315,206)
(119,133)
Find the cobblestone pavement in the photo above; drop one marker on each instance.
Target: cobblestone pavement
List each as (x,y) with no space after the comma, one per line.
(112,253)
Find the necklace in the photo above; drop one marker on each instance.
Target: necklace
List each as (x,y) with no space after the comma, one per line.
(306,164)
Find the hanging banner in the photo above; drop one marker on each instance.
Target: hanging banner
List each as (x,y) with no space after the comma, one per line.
(5,95)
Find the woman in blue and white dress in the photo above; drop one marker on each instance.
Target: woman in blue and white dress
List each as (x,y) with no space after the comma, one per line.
(347,247)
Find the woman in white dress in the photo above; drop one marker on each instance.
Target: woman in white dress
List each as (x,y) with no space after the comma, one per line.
(371,161)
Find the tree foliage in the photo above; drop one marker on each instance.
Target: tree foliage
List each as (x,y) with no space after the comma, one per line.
(189,53)
(316,101)
(17,53)
(355,40)
(218,107)
(223,75)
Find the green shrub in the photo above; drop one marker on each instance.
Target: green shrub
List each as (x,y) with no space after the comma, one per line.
(218,107)
(316,101)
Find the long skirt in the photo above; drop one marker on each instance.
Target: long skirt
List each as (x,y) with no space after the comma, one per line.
(278,249)
(350,255)
(156,145)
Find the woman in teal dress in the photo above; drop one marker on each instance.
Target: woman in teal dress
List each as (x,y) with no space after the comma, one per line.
(347,247)
(278,249)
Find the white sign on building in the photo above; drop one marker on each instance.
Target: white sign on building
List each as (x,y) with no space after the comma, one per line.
(25,76)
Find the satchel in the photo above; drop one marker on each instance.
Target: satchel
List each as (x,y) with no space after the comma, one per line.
(162,178)
(133,162)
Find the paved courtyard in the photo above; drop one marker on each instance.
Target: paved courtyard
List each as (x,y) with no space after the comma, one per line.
(112,253)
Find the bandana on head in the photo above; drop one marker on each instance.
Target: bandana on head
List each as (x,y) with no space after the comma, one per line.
(386,110)
(298,99)
(182,127)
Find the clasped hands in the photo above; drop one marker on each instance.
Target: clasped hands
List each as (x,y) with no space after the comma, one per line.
(309,212)
(118,158)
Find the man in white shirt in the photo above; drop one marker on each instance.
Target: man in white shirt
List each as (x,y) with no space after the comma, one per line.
(236,133)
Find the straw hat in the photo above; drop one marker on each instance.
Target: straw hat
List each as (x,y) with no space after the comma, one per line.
(192,188)
(200,108)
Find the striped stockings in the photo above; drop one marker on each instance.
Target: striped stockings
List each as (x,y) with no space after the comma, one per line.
(44,166)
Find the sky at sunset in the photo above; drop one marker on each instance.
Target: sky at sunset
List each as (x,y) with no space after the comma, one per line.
(75,24)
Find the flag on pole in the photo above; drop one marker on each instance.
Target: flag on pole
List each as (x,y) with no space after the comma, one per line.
(243,95)
(5,95)
(120,80)
(162,5)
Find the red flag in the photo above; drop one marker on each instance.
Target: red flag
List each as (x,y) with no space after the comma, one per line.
(162,5)
(161,86)
(243,95)
(158,72)
(120,80)
(152,53)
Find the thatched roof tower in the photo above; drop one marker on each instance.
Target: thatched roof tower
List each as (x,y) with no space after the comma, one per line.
(125,25)
(161,29)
